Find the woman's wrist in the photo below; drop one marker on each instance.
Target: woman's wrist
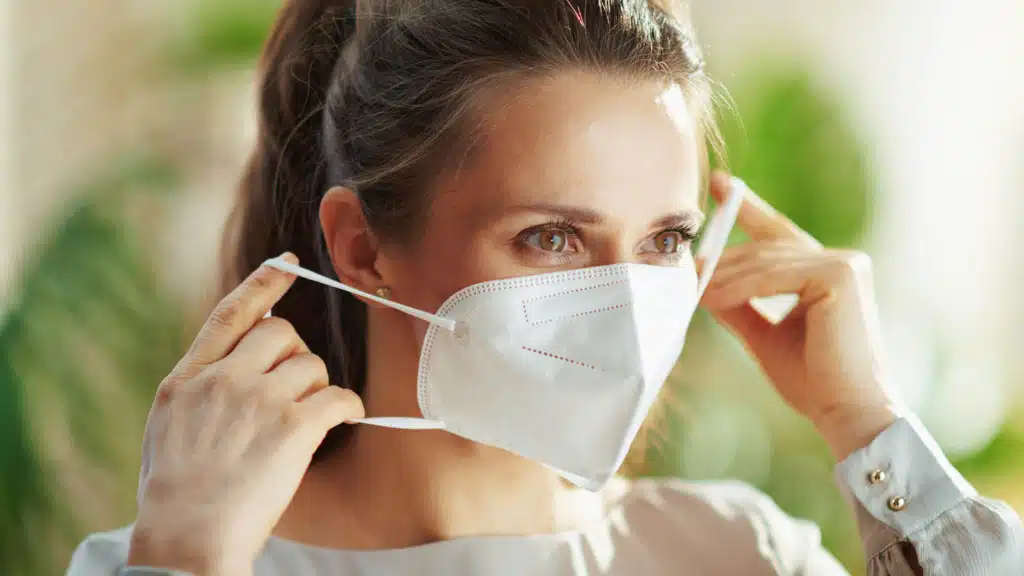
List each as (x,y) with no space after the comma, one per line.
(851,428)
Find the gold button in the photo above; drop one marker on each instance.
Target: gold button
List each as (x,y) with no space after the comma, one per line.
(897,503)
(877,476)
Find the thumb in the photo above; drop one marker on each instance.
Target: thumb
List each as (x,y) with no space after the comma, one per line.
(747,324)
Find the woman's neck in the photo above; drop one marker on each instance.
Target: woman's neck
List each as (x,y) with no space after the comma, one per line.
(386,491)
(397,488)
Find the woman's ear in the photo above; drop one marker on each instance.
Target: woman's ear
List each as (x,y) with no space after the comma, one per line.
(351,244)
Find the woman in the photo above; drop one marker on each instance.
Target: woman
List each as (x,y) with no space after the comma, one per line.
(533,171)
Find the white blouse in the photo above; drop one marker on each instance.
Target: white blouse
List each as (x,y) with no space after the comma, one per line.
(917,516)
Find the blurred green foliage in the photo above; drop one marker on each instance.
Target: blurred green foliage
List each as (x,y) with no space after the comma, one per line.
(790,141)
(1003,456)
(223,34)
(87,309)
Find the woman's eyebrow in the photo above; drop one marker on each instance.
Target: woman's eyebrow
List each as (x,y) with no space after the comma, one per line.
(589,216)
(574,213)
(681,219)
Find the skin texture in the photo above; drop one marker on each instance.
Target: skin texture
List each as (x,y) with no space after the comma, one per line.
(572,170)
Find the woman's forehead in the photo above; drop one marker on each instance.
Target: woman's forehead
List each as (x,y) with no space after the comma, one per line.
(621,147)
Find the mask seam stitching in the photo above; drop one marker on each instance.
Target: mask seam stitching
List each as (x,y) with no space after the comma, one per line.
(423,393)
(576,315)
(562,358)
(526,302)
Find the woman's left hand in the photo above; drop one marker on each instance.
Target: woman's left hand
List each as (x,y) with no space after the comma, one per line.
(825,358)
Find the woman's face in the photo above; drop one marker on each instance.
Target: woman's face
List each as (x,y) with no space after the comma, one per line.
(569,171)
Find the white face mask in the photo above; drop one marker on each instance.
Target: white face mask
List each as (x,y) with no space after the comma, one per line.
(560,368)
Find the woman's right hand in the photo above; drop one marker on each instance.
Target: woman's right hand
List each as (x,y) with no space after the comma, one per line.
(231,434)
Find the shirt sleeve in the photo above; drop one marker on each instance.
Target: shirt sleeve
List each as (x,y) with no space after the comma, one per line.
(918,516)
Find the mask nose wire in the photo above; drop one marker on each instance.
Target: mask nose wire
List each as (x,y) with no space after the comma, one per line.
(439,321)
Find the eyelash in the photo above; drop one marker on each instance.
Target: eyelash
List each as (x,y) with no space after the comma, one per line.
(688,233)
(563,225)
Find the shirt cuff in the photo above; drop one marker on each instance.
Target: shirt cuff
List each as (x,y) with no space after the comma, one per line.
(902,479)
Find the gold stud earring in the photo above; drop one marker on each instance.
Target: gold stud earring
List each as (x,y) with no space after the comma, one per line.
(383,292)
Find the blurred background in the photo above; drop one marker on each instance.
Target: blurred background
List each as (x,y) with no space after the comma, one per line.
(897,127)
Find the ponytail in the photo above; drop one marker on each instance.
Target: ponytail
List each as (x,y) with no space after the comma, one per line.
(285,180)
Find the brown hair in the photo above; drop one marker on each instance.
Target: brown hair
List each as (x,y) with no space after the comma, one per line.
(372,95)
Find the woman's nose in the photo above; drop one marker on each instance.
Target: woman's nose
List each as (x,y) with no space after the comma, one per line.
(615,249)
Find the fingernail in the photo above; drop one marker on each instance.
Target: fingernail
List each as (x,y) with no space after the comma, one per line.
(290,258)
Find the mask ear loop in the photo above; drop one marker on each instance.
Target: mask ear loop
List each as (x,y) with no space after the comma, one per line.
(772,308)
(399,422)
(717,235)
(439,321)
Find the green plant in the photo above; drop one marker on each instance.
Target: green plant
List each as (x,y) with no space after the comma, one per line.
(792,143)
(223,34)
(89,310)
(85,339)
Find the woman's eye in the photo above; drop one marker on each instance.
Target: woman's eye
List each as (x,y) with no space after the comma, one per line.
(669,242)
(549,240)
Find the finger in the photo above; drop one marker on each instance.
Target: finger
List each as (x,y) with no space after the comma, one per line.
(297,377)
(736,272)
(271,341)
(720,185)
(239,311)
(328,408)
(758,218)
(741,260)
(766,249)
(763,279)
(745,322)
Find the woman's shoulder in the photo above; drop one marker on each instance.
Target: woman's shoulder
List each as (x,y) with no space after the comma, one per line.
(101,553)
(728,497)
(719,518)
